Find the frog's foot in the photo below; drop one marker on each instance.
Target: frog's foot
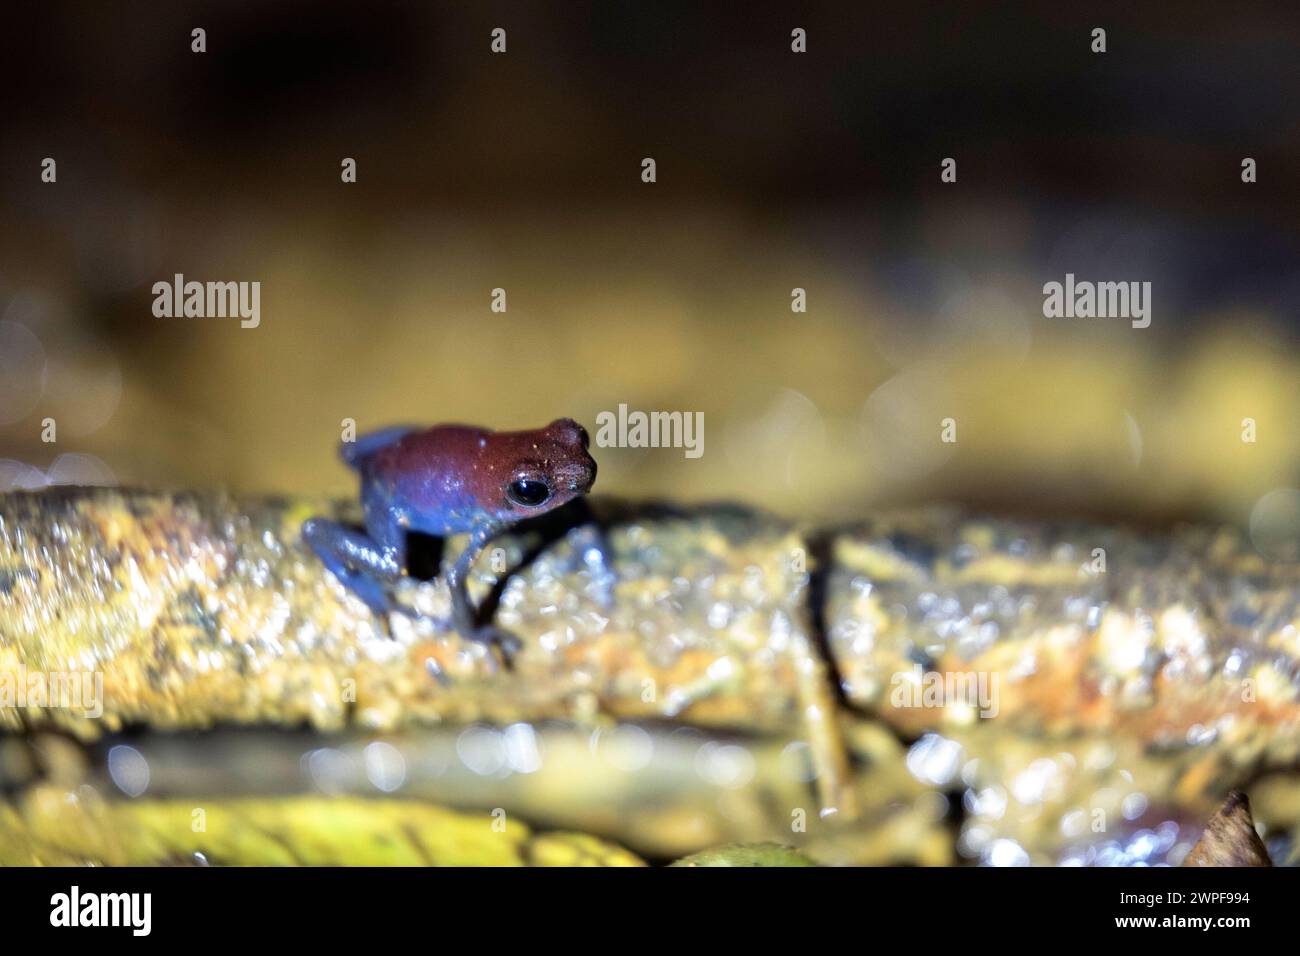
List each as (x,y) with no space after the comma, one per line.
(508,644)
(440,625)
(384,604)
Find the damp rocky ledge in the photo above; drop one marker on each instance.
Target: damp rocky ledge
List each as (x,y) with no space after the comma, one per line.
(925,687)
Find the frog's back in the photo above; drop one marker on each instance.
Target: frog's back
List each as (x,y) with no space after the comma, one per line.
(429,475)
(410,445)
(356,453)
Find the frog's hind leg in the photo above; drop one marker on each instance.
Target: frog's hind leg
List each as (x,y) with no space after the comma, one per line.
(362,566)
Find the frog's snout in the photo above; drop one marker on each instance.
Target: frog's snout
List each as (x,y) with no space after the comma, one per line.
(582,482)
(569,432)
(575,470)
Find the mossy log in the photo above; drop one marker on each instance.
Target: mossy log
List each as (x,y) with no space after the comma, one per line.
(1175,653)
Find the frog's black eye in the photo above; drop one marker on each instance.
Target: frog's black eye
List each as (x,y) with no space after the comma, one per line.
(527,492)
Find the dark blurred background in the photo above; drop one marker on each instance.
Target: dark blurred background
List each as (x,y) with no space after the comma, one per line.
(775,170)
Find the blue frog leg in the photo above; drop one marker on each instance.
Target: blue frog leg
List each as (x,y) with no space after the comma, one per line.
(364,567)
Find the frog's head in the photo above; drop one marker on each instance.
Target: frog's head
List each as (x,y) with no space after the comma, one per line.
(545,468)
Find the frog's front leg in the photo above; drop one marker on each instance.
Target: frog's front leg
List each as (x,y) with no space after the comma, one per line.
(464,616)
(365,567)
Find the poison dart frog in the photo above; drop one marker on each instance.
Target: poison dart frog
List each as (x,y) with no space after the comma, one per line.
(449,479)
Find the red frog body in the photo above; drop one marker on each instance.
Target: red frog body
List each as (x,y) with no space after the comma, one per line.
(449,479)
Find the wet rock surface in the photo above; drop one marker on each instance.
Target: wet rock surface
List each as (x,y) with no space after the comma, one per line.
(926,688)
(1092,692)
